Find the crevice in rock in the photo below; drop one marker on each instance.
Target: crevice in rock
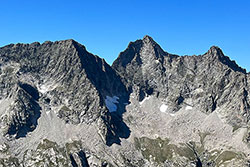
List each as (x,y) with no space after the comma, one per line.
(214,104)
(180,100)
(83,159)
(198,162)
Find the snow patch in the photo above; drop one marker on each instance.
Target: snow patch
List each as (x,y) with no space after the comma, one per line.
(46,87)
(199,90)
(111,103)
(163,108)
(189,108)
(145,99)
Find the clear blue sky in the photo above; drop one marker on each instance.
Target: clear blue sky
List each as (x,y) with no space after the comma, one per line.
(105,27)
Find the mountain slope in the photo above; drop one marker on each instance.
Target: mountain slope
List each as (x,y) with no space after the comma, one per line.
(198,101)
(63,106)
(60,82)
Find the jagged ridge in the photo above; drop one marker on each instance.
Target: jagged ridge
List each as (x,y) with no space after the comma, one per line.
(56,97)
(147,70)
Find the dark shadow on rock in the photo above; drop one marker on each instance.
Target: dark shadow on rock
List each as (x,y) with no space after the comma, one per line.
(107,82)
(73,162)
(74,159)
(180,100)
(198,163)
(31,90)
(32,122)
(141,95)
(119,127)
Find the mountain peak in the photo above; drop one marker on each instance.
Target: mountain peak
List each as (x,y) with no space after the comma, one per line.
(147,38)
(215,50)
(218,54)
(139,51)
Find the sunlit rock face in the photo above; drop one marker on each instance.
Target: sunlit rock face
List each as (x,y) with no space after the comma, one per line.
(63,106)
(207,82)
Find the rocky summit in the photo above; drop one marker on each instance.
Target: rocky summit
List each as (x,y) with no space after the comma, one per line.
(62,106)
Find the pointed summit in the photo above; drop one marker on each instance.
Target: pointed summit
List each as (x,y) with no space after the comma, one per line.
(216,53)
(140,63)
(147,39)
(215,50)
(140,51)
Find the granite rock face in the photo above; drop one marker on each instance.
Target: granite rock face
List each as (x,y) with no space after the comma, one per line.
(208,82)
(63,106)
(62,75)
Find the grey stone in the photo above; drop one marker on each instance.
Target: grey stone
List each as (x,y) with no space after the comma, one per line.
(63,106)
